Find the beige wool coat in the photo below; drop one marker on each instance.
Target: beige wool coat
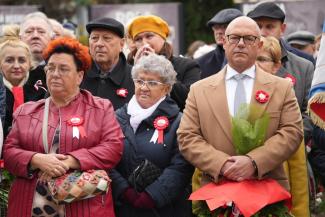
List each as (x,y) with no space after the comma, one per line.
(205,137)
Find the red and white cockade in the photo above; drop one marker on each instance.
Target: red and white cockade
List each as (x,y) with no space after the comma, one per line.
(77,128)
(261,96)
(122,92)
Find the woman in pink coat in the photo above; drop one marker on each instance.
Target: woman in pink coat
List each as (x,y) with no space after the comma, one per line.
(99,147)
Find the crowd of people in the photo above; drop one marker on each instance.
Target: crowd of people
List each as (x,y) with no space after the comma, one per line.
(159,124)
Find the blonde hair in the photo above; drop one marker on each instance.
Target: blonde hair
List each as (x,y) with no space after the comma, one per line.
(272,46)
(10,38)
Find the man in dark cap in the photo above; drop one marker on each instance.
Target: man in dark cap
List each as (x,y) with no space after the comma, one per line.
(302,40)
(110,75)
(213,61)
(270,19)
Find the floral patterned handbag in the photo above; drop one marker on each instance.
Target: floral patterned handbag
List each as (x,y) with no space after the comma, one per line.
(75,185)
(79,185)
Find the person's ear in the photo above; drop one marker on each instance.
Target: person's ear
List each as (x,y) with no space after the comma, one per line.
(260,45)
(283,28)
(168,89)
(80,77)
(224,42)
(122,41)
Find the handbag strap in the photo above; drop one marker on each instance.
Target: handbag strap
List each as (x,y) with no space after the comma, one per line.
(45,124)
(1,138)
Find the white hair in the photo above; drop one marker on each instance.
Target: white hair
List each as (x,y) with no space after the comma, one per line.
(36,15)
(156,64)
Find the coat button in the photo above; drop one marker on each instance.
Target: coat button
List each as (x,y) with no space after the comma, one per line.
(147,129)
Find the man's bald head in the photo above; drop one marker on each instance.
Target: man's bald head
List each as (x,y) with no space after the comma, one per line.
(243,20)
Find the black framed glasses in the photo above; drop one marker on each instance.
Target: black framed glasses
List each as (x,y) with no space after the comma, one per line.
(248,39)
(150,84)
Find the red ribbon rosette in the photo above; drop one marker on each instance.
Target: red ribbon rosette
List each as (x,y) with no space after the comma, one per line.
(261,96)
(160,124)
(77,128)
(291,78)
(122,92)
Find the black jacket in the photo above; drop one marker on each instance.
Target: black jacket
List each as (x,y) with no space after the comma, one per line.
(171,190)
(36,74)
(317,155)
(188,72)
(30,94)
(212,62)
(119,77)
(2,100)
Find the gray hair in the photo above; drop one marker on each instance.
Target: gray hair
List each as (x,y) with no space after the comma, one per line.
(36,15)
(155,64)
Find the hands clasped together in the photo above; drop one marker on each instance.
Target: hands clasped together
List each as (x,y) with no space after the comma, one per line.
(238,168)
(52,165)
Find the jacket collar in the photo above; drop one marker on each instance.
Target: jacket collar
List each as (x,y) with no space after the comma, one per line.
(117,75)
(282,72)
(284,52)
(219,106)
(167,108)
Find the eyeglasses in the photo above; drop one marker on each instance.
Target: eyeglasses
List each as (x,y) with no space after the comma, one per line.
(248,39)
(264,59)
(150,84)
(62,70)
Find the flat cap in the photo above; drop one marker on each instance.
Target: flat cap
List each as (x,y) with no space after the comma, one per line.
(224,16)
(69,25)
(301,38)
(267,9)
(106,23)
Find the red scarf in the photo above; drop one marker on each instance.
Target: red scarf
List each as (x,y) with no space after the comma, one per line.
(18,93)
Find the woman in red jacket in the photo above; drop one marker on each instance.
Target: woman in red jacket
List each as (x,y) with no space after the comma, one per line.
(98,146)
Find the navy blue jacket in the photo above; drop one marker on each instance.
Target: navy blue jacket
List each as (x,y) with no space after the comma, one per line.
(212,62)
(171,190)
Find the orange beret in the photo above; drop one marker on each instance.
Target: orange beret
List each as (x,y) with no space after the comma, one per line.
(148,23)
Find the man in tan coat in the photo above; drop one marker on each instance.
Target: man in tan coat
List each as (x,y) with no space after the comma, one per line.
(204,133)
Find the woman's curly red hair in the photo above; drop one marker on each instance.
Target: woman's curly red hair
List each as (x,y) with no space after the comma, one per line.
(69,46)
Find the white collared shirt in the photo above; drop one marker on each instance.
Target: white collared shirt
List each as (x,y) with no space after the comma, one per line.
(231,85)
